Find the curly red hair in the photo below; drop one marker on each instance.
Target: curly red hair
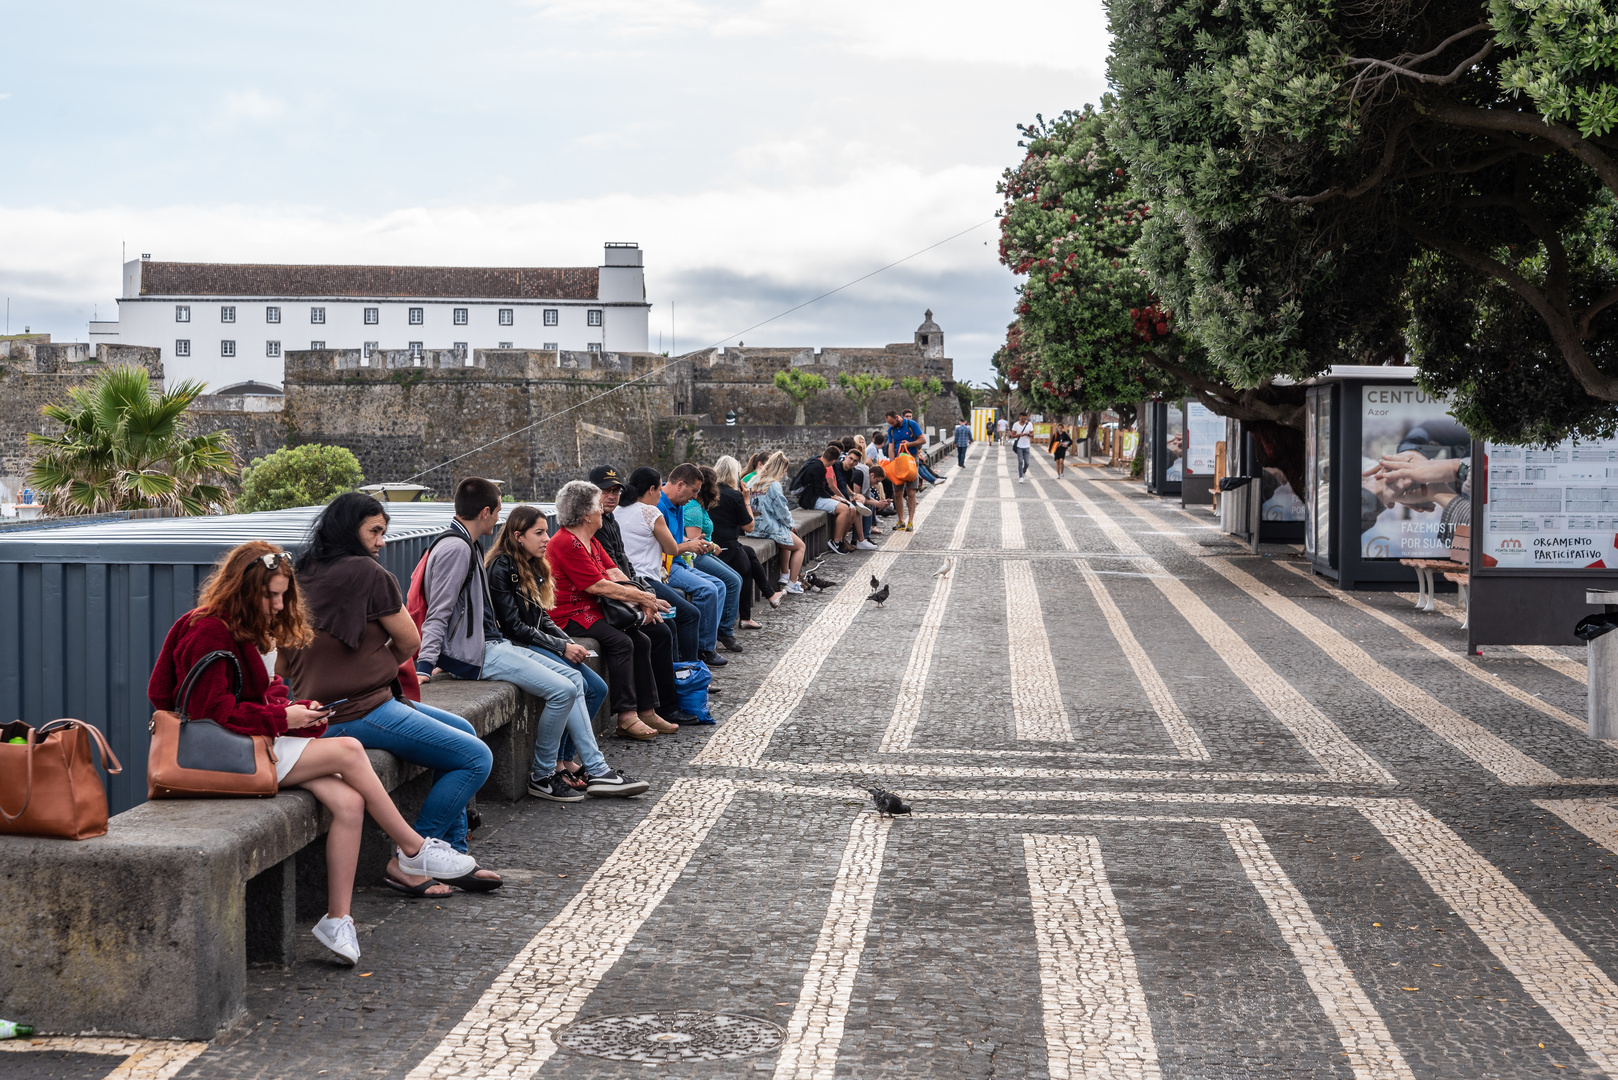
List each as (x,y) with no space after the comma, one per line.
(235,591)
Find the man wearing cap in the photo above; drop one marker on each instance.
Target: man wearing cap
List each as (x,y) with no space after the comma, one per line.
(665,638)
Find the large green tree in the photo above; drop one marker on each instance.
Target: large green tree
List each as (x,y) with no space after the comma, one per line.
(127,445)
(1384,180)
(307,475)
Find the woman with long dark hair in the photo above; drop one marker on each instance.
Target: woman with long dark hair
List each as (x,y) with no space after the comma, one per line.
(250,607)
(362,634)
(521,587)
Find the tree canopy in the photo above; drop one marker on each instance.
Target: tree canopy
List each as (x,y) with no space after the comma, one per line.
(307,475)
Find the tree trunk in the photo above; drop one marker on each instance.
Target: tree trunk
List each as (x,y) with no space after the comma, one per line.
(865,414)
(797,417)
(1092,428)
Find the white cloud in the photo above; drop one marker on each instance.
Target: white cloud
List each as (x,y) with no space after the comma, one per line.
(250,105)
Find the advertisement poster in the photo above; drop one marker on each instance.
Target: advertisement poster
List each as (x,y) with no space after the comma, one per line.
(1552,509)
(1174,444)
(1203,429)
(1413,484)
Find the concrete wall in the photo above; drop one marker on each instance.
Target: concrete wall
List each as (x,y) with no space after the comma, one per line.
(35,373)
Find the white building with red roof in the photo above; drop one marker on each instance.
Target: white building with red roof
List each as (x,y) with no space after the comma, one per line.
(230,323)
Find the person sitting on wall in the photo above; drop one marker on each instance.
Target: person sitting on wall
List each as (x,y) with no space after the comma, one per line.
(707,592)
(699,524)
(461,637)
(815,492)
(361,634)
(754,463)
(675,619)
(651,547)
(731,520)
(250,607)
(772,519)
(522,587)
(849,485)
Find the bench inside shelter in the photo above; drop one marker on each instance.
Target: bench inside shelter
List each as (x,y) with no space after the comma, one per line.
(1456,567)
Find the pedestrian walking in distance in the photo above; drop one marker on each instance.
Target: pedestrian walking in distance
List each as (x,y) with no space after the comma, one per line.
(1022,434)
(963,439)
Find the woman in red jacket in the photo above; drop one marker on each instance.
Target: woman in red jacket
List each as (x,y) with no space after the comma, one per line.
(249,606)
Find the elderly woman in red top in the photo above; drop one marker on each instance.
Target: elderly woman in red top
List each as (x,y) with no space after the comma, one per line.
(249,607)
(580,566)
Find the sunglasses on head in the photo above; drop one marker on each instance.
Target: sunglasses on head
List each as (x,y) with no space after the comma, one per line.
(275,558)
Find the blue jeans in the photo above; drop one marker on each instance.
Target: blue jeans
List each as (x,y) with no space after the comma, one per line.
(687,622)
(561,687)
(595,692)
(960,457)
(924,472)
(1022,460)
(435,739)
(715,567)
(707,595)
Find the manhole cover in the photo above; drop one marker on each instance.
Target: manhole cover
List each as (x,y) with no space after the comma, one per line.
(671,1036)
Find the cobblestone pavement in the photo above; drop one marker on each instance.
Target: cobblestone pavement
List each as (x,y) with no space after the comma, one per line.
(1178,812)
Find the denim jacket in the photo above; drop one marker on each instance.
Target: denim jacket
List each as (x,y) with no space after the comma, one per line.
(772,516)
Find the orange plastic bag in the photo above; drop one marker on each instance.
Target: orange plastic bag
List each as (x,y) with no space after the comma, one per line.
(901,469)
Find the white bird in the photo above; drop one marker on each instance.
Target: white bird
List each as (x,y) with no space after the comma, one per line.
(944,570)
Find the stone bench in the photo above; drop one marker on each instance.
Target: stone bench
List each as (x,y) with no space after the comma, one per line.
(149,929)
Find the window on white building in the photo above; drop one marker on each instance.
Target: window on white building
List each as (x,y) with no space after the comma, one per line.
(372,316)
(460,316)
(370,347)
(552,345)
(505,344)
(415,350)
(317,344)
(227,313)
(182,347)
(551,316)
(272,314)
(182,312)
(272,348)
(416,316)
(461,345)
(227,348)
(593,317)
(317,315)
(594,346)
(506,315)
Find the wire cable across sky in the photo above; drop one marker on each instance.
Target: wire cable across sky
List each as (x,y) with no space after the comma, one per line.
(682,359)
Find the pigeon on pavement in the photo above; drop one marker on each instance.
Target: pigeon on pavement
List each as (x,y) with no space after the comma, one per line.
(944,570)
(887,803)
(818,582)
(875,584)
(880,596)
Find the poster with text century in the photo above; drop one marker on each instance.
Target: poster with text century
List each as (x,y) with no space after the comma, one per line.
(1551,509)
(1413,484)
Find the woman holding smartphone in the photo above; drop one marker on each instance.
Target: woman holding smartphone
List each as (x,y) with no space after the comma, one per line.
(360,634)
(250,606)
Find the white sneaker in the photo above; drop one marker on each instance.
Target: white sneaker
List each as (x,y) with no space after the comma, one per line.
(1022,479)
(866,545)
(436,859)
(795,588)
(338,936)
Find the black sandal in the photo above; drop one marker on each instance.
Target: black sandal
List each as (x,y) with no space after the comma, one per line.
(472,883)
(416,892)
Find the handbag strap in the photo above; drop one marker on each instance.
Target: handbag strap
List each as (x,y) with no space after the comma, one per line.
(108,760)
(196,671)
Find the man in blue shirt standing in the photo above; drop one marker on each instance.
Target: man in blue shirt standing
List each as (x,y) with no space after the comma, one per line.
(903,437)
(963,439)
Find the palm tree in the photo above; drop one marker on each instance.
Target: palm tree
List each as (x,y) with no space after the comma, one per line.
(127,445)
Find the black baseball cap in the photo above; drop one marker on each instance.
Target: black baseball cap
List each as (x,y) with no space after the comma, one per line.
(605,477)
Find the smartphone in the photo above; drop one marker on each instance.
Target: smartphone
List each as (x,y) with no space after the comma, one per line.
(331,706)
(591,652)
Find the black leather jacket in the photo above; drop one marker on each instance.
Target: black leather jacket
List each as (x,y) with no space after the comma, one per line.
(522,620)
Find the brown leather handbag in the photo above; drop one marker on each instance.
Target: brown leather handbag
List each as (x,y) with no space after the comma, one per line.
(195,758)
(55,773)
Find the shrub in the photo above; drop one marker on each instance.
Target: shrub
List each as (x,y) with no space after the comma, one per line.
(308,475)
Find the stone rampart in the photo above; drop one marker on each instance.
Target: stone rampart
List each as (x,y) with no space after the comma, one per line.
(36,372)
(743,380)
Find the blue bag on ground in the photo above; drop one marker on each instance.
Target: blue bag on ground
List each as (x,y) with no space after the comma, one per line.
(691,684)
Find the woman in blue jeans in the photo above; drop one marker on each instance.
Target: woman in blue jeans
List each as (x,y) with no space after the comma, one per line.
(699,524)
(362,634)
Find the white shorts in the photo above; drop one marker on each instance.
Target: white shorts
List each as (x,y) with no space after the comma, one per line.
(288,749)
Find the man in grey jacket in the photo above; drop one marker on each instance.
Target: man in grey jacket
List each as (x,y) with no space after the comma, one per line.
(461,637)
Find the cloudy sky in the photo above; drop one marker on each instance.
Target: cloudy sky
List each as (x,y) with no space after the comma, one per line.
(760,152)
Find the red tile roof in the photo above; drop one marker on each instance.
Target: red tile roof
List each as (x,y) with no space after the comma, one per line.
(448,282)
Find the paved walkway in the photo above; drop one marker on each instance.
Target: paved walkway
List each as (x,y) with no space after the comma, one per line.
(1179,812)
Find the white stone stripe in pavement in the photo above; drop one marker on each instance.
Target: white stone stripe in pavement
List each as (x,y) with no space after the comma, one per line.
(1446,653)
(1037,711)
(1179,729)
(1595,818)
(815,1032)
(1010,524)
(1369,1048)
(1506,762)
(1096,1023)
(746,733)
(508,1033)
(1560,976)
(144,1059)
(1558,663)
(1342,759)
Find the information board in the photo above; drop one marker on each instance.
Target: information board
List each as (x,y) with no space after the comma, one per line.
(1204,429)
(1410,456)
(1551,509)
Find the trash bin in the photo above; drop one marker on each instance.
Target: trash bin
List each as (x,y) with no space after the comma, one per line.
(1603,663)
